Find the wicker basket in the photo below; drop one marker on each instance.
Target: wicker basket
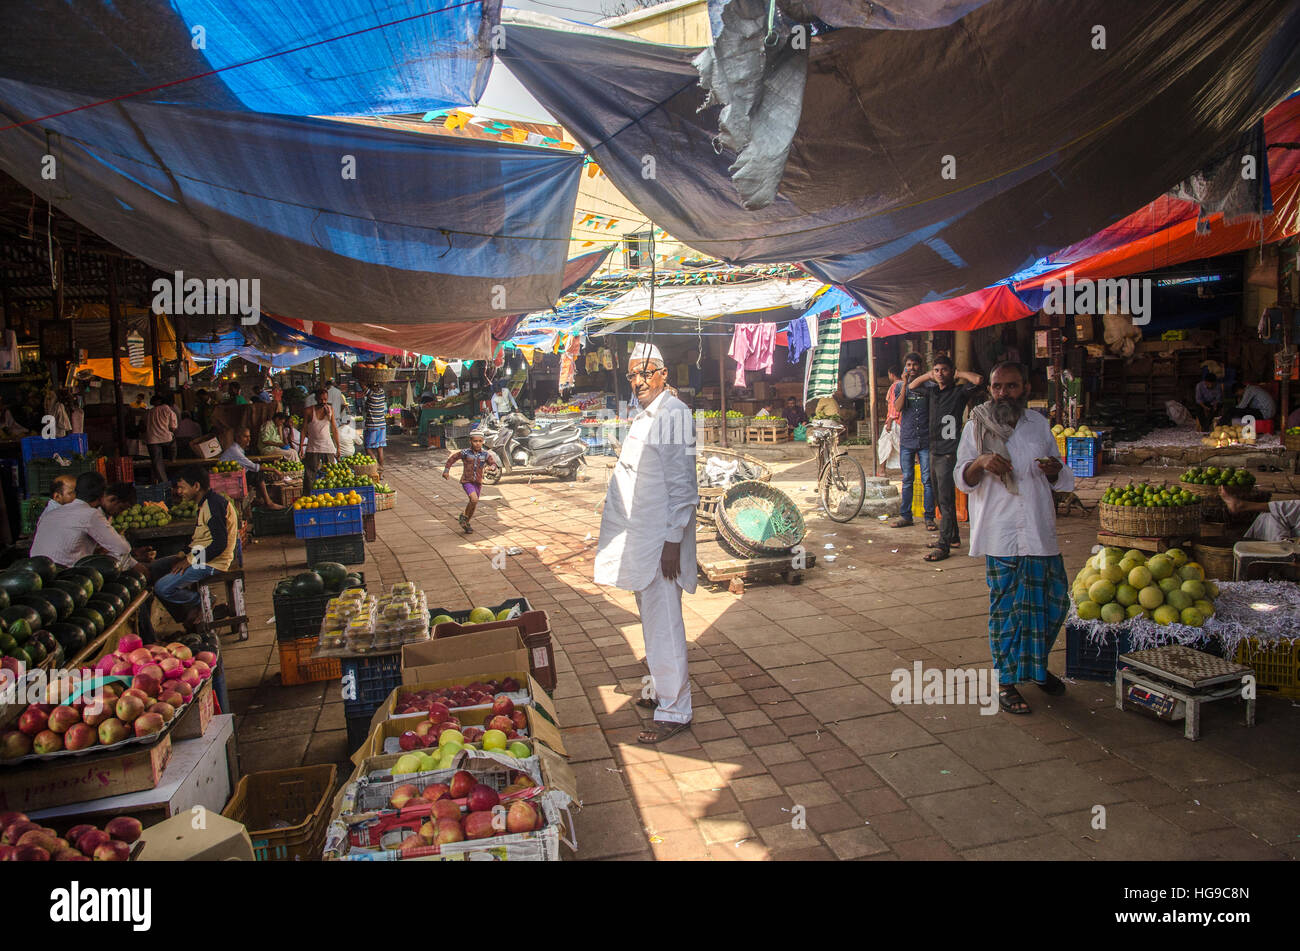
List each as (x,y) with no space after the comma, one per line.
(374,374)
(1150,522)
(756,520)
(371,470)
(1215,559)
(385,501)
(709,495)
(286,811)
(1291,443)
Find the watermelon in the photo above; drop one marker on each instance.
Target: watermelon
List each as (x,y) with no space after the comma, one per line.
(53,649)
(41,565)
(19,581)
(95,578)
(108,605)
(332,574)
(106,565)
(4,599)
(132,582)
(79,589)
(35,650)
(20,622)
(92,617)
(42,605)
(62,600)
(71,636)
(22,654)
(305,583)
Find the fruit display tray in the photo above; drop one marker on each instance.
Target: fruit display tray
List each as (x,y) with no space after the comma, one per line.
(100,747)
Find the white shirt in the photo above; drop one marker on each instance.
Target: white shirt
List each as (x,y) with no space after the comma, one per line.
(1005,525)
(503,402)
(347,436)
(1259,400)
(71,532)
(235,453)
(651,499)
(334,396)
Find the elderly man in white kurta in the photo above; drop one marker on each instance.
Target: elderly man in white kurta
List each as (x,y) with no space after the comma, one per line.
(1009,464)
(647,535)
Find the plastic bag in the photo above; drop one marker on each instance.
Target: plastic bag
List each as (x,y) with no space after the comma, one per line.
(887,447)
(801,433)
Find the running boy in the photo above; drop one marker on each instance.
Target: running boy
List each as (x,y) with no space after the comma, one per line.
(474,461)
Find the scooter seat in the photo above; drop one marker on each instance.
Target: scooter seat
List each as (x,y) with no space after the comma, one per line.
(547,440)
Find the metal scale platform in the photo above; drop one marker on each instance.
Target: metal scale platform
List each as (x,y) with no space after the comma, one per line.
(1172,682)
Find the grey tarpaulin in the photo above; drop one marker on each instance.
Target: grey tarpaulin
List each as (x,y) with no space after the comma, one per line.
(1050,139)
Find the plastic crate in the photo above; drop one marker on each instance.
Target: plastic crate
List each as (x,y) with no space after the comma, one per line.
(36,447)
(346,550)
(27,518)
(299,616)
(153,493)
(1083,467)
(367,493)
(286,811)
(267,522)
(327,523)
(358,730)
(369,680)
(1276,666)
(1084,447)
(460,617)
(232,484)
(297,666)
(41,473)
(1086,660)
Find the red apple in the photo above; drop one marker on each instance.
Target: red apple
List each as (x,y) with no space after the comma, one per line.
(80,736)
(164,710)
(148,724)
(47,741)
(30,853)
(184,689)
(6,853)
(69,855)
(170,664)
(9,818)
(140,655)
(502,706)
(428,830)
(202,669)
(172,697)
(138,693)
(33,720)
(113,731)
(438,712)
(429,739)
(513,734)
(124,828)
(473,734)
(207,657)
(522,817)
(520,719)
(42,838)
(14,743)
(462,783)
(509,685)
(152,670)
(502,723)
(129,708)
(444,810)
(478,825)
(192,678)
(122,668)
(435,791)
(129,642)
(112,852)
(412,842)
(482,798)
(76,832)
(449,832)
(61,718)
(90,841)
(179,651)
(97,711)
(409,741)
(17,830)
(402,795)
(424,727)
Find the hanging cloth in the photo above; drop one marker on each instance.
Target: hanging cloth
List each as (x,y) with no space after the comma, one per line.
(797,340)
(752,346)
(569,363)
(822,375)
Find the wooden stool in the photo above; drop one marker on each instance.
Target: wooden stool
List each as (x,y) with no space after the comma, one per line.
(233,579)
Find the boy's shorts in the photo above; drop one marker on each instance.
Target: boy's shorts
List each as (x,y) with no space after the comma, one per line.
(472,488)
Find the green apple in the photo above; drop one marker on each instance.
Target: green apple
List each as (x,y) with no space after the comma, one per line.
(494,740)
(408,763)
(520,749)
(451,736)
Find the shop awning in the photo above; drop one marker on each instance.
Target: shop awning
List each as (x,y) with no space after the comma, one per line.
(930,163)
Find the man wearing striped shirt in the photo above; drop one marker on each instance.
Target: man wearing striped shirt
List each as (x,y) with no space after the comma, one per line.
(376,435)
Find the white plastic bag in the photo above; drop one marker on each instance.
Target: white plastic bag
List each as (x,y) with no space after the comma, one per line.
(887,447)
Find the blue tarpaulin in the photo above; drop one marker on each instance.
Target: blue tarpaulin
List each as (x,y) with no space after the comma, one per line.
(929,163)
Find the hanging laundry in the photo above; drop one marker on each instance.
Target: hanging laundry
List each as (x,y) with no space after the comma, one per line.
(822,375)
(569,362)
(796,337)
(751,347)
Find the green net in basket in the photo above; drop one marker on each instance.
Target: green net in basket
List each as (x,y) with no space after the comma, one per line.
(755,519)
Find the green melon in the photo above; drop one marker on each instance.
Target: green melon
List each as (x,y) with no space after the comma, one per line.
(93,617)
(331,574)
(96,579)
(42,605)
(106,565)
(19,581)
(79,589)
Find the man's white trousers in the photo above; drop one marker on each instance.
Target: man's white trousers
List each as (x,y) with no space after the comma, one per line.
(664,631)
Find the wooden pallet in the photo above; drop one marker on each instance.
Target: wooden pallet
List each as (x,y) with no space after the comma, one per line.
(767,435)
(1151,543)
(717,564)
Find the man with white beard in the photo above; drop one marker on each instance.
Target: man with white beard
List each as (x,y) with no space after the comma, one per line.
(1009,464)
(647,535)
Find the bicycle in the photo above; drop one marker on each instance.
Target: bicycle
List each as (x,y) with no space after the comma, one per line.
(841,483)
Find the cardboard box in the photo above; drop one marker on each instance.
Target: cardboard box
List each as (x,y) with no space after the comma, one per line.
(176,840)
(194,721)
(501,639)
(208,448)
(453,674)
(201,772)
(533,629)
(30,787)
(540,730)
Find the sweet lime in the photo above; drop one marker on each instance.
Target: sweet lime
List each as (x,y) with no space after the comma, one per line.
(1103,592)
(1089,610)
(1151,597)
(1139,577)
(1113,613)
(1126,595)
(1165,615)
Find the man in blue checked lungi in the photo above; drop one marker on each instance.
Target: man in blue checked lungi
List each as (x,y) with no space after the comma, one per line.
(1009,464)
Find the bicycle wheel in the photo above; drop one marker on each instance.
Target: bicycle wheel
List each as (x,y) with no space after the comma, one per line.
(843,486)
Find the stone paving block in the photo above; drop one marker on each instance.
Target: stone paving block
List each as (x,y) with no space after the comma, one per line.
(926,769)
(1236,845)
(862,663)
(607,829)
(997,747)
(843,703)
(887,732)
(1170,762)
(281,752)
(721,750)
(855,843)
(1050,847)
(1055,786)
(724,828)
(329,746)
(1261,806)
(805,678)
(600,781)
(782,837)
(778,753)
(668,818)
(1131,830)
(1188,815)
(982,815)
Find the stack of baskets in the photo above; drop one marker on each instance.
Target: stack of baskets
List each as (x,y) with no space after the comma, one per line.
(1151,521)
(756,520)
(385,501)
(709,495)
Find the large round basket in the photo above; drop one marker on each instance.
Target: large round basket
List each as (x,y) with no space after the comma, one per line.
(371,470)
(756,520)
(385,501)
(374,374)
(1151,521)
(709,494)
(1215,559)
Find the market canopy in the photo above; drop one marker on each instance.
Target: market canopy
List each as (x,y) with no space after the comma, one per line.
(929,163)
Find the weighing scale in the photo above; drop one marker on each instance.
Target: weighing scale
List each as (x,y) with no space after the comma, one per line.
(1172,682)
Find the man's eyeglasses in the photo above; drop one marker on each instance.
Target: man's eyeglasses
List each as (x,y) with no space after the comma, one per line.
(643,374)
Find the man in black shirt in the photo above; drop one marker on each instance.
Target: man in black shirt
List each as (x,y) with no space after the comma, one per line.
(913,409)
(947,403)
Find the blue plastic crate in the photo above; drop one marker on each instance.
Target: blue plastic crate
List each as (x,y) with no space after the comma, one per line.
(1082,446)
(327,523)
(1083,467)
(368,681)
(35,447)
(367,493)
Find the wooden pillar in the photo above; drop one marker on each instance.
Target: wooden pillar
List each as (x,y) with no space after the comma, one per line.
(1287,305)
(115,345)
(154,323)
(871,398)
(722,390)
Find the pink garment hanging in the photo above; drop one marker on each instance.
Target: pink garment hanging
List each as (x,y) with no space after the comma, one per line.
(752,346)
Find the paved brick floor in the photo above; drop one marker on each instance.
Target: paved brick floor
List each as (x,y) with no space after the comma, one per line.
(793,718)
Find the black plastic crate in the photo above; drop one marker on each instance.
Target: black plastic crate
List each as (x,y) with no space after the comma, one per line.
(1086,660)
(267,522)
(297,617)
(358,730)
(372,679)
(460,617)
(41,473)
(162,492)
(344,549)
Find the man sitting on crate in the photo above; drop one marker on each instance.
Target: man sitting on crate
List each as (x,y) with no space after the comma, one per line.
(252,471)
(211,549)
(1008,464)
(71,532)
(1276,521)
(647,535)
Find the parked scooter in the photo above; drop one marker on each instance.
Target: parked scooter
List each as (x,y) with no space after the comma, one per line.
(527,448)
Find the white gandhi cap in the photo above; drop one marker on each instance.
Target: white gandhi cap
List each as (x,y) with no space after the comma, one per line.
(646,351)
